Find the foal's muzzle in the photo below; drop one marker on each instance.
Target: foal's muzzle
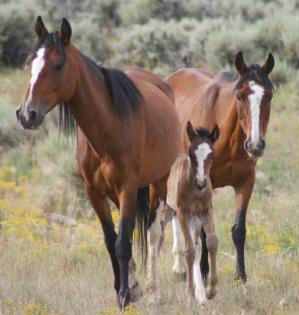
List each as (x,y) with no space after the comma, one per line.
(255,149)
(201,184)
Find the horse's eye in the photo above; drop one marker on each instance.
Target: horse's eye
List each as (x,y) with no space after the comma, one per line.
(58,67)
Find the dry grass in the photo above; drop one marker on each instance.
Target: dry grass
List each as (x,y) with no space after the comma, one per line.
(49,269)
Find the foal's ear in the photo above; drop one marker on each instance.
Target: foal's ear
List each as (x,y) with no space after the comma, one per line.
(40,28)
(240,63)
(214,134)
(65,31)
(190,131)
(269,64)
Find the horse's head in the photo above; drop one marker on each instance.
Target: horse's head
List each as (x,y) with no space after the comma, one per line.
(201,152)
(254,92)
(53,75)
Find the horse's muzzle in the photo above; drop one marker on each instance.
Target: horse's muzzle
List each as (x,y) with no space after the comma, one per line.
(255,149)
(30,121)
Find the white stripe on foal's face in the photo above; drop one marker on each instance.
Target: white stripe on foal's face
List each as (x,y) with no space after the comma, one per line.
(36,68)
(255,99)
(201,153)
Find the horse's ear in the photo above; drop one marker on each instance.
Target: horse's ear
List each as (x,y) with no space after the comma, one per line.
(40,28)
(240,63)
(190,131)
(269,64)
(65,31)
(214,134)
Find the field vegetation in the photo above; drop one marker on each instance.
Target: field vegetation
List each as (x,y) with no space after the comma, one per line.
(53,266)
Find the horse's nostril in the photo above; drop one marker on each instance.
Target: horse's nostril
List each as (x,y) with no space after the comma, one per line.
(18,114)
(262,144)
(32,116)
(246,145)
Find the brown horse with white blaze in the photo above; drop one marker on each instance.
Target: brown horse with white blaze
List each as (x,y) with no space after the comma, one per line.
(240,106)
(128,136)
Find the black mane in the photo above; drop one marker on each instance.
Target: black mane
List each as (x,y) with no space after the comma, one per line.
(124,94)
(126,97)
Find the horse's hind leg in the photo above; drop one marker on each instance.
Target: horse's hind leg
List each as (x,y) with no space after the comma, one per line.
(135,290)
(154,231)
(212,246)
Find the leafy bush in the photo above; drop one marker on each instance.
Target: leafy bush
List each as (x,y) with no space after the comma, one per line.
(15,32)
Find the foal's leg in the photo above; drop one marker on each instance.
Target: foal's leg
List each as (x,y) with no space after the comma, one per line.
(212,246)
(204,260)
(154,232)
(243,194)
(200,293)
(184,219)
(179,266)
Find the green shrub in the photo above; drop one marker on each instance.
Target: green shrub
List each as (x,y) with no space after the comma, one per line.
(15,32)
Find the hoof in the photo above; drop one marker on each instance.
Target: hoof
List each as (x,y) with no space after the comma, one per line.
(211,293)
(136,292)
(240,278)
(123,299)
(180,276)
(153,298)
(152,294)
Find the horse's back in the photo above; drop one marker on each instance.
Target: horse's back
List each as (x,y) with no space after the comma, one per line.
(136,72)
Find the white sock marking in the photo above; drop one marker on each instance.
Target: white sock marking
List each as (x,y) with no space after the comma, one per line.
(199,290)
(178,247)
(255,99)
(201,153)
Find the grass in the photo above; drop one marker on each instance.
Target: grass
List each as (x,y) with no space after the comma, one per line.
(46,268)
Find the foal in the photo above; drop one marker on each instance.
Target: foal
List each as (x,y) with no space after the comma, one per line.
(190,197)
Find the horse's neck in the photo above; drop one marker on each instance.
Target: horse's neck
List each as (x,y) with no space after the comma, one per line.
(232,134)
(91,108)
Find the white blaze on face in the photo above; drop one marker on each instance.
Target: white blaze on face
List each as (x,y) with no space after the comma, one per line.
(36,68)
(201,153)
(255,99)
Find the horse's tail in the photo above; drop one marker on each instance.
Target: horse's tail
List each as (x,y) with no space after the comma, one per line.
(142,213)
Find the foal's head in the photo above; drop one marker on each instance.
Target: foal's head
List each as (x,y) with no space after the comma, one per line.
(53,75)
(254,92)
(201,152)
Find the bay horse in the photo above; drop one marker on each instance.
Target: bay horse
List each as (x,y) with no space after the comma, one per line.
(240,106)
(189,204)
(128,136)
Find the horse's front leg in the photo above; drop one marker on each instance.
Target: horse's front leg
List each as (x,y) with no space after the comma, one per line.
(212,246)
(123,244)
(243,193)
(101,207)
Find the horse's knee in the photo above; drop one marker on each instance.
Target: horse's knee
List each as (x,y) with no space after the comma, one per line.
(190,255)
(212,242)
